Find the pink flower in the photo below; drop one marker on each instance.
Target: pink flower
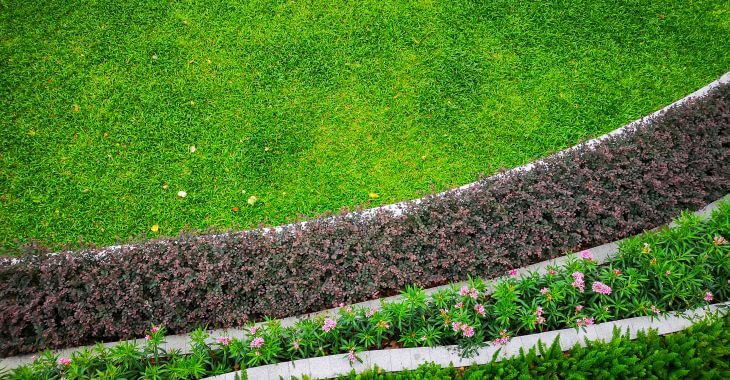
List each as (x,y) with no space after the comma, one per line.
(63,361)
(655,310)
(147,337)
(154,329)
(578,282)
(586,255)
(539,311)
(617,272)
(540,318)
(513,273)
(587,321)
(503,339)
(257,342)
(709,297)
(578,308)
(479,308)
(544,291)
(351,356)
(473,293)
(456,326)
(668,273)
(467,330)
(295,343)
(329,324)
(370,312)
(459,305)
(552,272)
(601,288)
(224,340)
(464,290)
(253,330)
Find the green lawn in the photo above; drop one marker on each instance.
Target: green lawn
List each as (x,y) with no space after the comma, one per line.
(311,105)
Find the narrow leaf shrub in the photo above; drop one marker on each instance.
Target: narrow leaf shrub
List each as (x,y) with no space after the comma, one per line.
(587,197)
(670,270)
(701,352)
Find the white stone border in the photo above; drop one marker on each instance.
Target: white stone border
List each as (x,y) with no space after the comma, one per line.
(394,360)
(182,342)
(398,208)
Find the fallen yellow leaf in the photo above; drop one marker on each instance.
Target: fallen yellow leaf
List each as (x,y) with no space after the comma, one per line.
(373,195)
(155,228)
(252,200)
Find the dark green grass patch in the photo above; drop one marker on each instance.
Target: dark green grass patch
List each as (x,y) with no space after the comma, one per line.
(311,105)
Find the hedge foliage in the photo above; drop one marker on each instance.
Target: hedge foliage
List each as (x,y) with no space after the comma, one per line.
(674,269)
(586,197)
(701,352)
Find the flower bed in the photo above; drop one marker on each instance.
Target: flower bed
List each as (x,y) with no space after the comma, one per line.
(673,269)
(587,197)
(700,351)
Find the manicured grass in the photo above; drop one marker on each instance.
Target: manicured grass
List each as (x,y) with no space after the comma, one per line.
(311,105)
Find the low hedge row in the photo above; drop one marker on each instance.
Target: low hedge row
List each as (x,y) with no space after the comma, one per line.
(678,269)
(587,197)
(701,352)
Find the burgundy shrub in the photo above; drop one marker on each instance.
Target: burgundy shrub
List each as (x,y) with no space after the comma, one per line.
(589,196)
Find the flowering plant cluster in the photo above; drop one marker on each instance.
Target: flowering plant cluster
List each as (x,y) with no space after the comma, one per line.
(673,269)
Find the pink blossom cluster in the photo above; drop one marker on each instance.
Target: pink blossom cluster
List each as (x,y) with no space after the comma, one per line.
(370,312)
(544,291)
(224,340)
(513,273)
(709,297)
(655,310)
(464,328)
(329,324)
(467,291)
(63,361)
(295,343)
(585,255)
(601,288)
(617,272)
(578,308)
(459,305)
(587,321)
(540,318)
(154,329)
(257,342)
(503,339)
(578,281)
(351,356)
(479,308)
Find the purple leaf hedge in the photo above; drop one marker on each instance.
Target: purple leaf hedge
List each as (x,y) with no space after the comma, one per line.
(587,197)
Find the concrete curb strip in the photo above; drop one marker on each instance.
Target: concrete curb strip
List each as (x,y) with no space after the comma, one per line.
(181,342)
(402,359)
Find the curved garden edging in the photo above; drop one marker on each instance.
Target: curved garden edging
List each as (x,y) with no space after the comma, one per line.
(402,359)
(590,196)
(181,342)
(400,207)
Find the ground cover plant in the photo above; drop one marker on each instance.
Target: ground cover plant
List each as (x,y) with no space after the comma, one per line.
(671,270)
(589,196)
(308,105)
(701,352)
